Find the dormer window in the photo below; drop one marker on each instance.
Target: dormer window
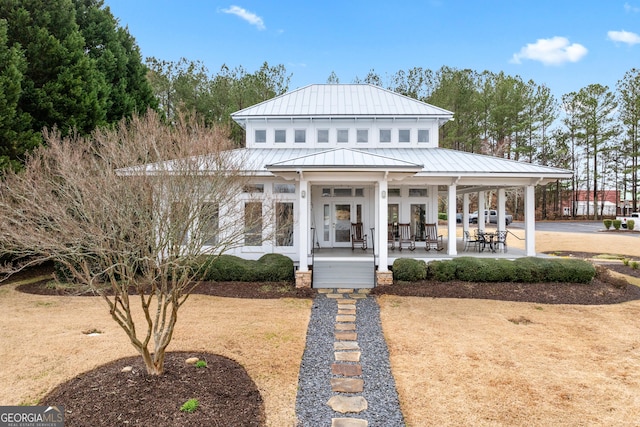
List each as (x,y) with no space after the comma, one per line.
(423,135)
(404,135)
(300,136)
(385,135)
(261,135)
(343,135)
(280,135)
(323,135)
(362,135)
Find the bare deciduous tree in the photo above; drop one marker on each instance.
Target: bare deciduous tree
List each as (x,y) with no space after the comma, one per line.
(130,208)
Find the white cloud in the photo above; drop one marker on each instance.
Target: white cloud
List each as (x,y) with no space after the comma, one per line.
(624,37)
(630,8)
(250,17)
(553,51)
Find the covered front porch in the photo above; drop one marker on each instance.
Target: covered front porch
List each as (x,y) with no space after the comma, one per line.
(360,268)
(515,249)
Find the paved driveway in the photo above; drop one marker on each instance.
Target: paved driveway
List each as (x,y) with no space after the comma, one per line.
(568,226)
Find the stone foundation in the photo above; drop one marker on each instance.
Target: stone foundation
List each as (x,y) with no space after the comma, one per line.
(303,279)
(384,278)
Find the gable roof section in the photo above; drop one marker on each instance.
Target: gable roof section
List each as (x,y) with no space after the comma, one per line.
(342,100)
(341,158)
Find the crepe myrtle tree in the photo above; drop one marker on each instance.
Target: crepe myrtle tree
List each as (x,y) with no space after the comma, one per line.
(127,212)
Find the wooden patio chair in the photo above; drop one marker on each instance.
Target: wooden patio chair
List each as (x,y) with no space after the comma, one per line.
(405,236)
(433,240)
(357,236)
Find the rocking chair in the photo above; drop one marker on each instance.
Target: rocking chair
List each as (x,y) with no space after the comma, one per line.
(433,240)
(357,238)
(405,236)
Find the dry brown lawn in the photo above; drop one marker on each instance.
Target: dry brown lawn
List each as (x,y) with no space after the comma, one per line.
(42,343)
(494,363)
(456,362)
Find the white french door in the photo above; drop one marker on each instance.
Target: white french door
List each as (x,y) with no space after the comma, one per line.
(336,224)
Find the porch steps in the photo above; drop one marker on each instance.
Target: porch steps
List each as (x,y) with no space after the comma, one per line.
(344,273)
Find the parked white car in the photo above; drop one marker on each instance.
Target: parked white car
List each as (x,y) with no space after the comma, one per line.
(491,215)
(634,216)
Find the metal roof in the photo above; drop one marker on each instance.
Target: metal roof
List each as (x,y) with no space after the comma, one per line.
(433,161)
(344,158)
(342,100)
(425,162)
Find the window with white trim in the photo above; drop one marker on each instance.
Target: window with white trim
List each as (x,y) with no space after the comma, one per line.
(362,135)
(323,135)
(423,135)
(209,221)
(385,135)
(300,136)
(404,135)
(343,135)
(284,223)
(260,135)
(280,135)
(253,224)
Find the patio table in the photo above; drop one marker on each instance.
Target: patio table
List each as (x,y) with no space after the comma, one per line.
(488,238)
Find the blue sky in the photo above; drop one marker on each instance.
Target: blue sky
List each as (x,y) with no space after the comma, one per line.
(564,44)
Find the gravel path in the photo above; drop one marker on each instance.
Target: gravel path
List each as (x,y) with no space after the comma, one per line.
(314,388)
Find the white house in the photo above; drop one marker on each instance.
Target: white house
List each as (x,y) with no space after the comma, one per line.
(337,154)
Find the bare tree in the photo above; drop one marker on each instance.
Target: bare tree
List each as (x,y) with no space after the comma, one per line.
(128,212)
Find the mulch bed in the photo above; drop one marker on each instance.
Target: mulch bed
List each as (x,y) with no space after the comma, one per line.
(227,395)
(604,289)
(106,396)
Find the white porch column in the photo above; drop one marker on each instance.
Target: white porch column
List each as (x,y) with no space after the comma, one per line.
(465,212)
(451,223)
(481,218)
(501,212)
(381,227)
(303,224)
(530,220)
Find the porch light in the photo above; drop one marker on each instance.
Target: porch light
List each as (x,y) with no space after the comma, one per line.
(303,194)
(384,194)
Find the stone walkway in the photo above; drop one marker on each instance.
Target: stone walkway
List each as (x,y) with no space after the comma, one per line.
(347,385)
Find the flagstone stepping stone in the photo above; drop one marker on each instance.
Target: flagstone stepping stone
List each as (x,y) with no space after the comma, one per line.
(345,326)
(347,356)
(346,345)
(346,336)
(344,404)
(347,385)
(345,318)
(346,370)
(349,422)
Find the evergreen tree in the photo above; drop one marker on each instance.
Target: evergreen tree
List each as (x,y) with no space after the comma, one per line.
(16,136)
(117,57)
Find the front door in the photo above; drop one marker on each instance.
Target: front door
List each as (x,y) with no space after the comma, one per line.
(337,225)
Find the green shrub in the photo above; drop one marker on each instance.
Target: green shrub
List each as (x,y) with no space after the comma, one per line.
(616,224)
(607,223)
(470,269)
(409,269)
(269,268)
(442,216)
(634,265)
(442,271)
(631,224)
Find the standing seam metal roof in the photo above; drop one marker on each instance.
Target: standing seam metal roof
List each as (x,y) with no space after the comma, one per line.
(347,100)
(433,160)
